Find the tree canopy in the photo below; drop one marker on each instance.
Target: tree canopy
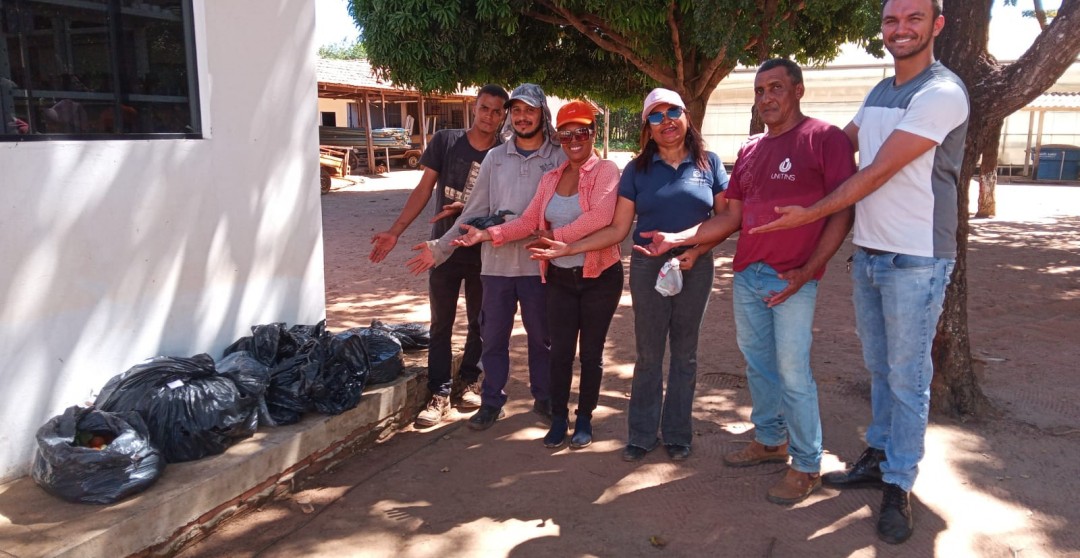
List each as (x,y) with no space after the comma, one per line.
(612,51)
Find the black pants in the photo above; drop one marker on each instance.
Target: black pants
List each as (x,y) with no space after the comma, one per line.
(579,309)
(444,283)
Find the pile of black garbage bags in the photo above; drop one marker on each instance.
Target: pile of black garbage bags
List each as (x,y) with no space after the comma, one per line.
(175,409)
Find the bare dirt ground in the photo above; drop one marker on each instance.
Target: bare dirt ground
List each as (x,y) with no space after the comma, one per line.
(998,486)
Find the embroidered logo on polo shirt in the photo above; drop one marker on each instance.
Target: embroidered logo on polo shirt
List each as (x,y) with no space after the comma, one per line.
(785,166)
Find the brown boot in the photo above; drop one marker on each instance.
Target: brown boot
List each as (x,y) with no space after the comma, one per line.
(437,409)
(464,395)
(756,453)
(794,487)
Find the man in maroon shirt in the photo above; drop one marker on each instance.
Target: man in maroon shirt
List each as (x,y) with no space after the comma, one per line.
(798,161)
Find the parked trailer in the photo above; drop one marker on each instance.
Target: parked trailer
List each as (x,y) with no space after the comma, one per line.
(390,144)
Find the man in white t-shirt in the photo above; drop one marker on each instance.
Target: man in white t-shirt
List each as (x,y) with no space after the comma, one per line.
(910,132)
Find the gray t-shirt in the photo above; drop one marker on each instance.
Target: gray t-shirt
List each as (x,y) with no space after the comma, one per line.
(561,211)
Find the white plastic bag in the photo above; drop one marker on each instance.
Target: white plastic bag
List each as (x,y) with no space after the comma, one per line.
(669,280)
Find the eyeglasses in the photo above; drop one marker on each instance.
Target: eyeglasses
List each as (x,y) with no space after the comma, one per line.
(567,136)
(655,118)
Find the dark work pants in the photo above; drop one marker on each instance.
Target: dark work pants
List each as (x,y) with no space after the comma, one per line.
(444,283)
(501,298)
(579,312)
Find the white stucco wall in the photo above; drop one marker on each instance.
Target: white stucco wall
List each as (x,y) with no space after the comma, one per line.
(115,251)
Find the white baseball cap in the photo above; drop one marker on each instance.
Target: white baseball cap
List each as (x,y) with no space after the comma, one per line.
(661,96)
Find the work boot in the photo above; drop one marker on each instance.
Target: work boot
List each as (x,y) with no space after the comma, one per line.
(582,432)
(485,417)
(865,473)
(794,487)
(556,436)
(895,524)
(465,395)
(437,409)
(757,453)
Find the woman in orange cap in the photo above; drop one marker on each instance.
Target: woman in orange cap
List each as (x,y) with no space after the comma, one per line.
(583,290)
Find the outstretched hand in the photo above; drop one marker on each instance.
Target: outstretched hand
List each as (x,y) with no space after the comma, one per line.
(448,210)
(423,261)
(471,237)
(548,249)
(384,243)
(661,244)
(791,216)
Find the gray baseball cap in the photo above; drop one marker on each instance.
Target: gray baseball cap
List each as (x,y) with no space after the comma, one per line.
(528,93)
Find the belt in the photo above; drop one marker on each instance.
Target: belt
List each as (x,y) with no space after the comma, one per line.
(874,252)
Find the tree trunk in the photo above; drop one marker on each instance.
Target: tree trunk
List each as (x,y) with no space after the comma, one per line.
(695,108)
(954,389)
(988,172)
(757,125)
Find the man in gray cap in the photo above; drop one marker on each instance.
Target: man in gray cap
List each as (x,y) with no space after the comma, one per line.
(506,184)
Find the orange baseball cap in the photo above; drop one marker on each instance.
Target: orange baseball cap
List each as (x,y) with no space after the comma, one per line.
(578,112)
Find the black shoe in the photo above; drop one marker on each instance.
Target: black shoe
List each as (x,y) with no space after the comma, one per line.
(556,436)
(677,452)
(485,417)
(895,523)
(865,473)
(542,407)
(635,453)
(582,432)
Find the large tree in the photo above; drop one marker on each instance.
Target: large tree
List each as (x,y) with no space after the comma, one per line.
(996,91)
(610,50)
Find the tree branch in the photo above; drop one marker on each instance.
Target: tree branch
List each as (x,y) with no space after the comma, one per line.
(615,43)
(676,43)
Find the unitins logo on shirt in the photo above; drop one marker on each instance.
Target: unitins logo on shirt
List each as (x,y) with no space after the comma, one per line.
(785,166)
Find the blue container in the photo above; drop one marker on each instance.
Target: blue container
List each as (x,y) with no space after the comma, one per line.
(1058,162)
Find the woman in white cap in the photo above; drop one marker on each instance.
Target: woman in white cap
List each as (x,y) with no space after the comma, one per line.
(673,184)
(573,201)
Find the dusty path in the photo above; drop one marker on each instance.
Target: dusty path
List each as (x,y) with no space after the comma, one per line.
(999,487)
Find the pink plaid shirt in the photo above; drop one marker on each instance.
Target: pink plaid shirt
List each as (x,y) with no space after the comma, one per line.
(598,190)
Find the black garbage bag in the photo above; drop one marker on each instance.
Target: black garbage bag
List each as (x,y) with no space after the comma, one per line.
(263,343)
(490,221)
(252,378)
(93,457)
(412,336)
(342,374)
(383,351)
(191,411)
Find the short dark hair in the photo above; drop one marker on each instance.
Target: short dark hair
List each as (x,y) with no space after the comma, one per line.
(494,91)
(793,69)
(935,5)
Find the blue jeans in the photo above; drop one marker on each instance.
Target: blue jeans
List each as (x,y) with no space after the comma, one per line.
(776,344)
(659,320)
(501,297)
(898,302)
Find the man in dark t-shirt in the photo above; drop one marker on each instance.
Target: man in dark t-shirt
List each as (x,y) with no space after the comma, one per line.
(451,163)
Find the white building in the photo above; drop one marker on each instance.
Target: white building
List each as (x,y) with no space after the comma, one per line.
(171,234)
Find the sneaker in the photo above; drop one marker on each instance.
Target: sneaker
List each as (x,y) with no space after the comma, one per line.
(556,436)
(437,409)
(864,473)
(485,417)
(634,453)
(582,437)
(677,452)
(757,453)
(465,395)
(542,407)
(795,487)
(895,524)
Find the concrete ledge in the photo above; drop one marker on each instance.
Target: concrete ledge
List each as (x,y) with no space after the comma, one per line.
(191,498)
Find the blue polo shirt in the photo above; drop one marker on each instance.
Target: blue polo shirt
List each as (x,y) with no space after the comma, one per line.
(669,199)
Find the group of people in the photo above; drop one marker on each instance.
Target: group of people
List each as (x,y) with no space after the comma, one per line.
(794,194)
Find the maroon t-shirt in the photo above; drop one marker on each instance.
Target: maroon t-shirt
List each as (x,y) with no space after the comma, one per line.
(798,167)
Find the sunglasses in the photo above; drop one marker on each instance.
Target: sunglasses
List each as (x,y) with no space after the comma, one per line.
(655,118)
(568,136)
